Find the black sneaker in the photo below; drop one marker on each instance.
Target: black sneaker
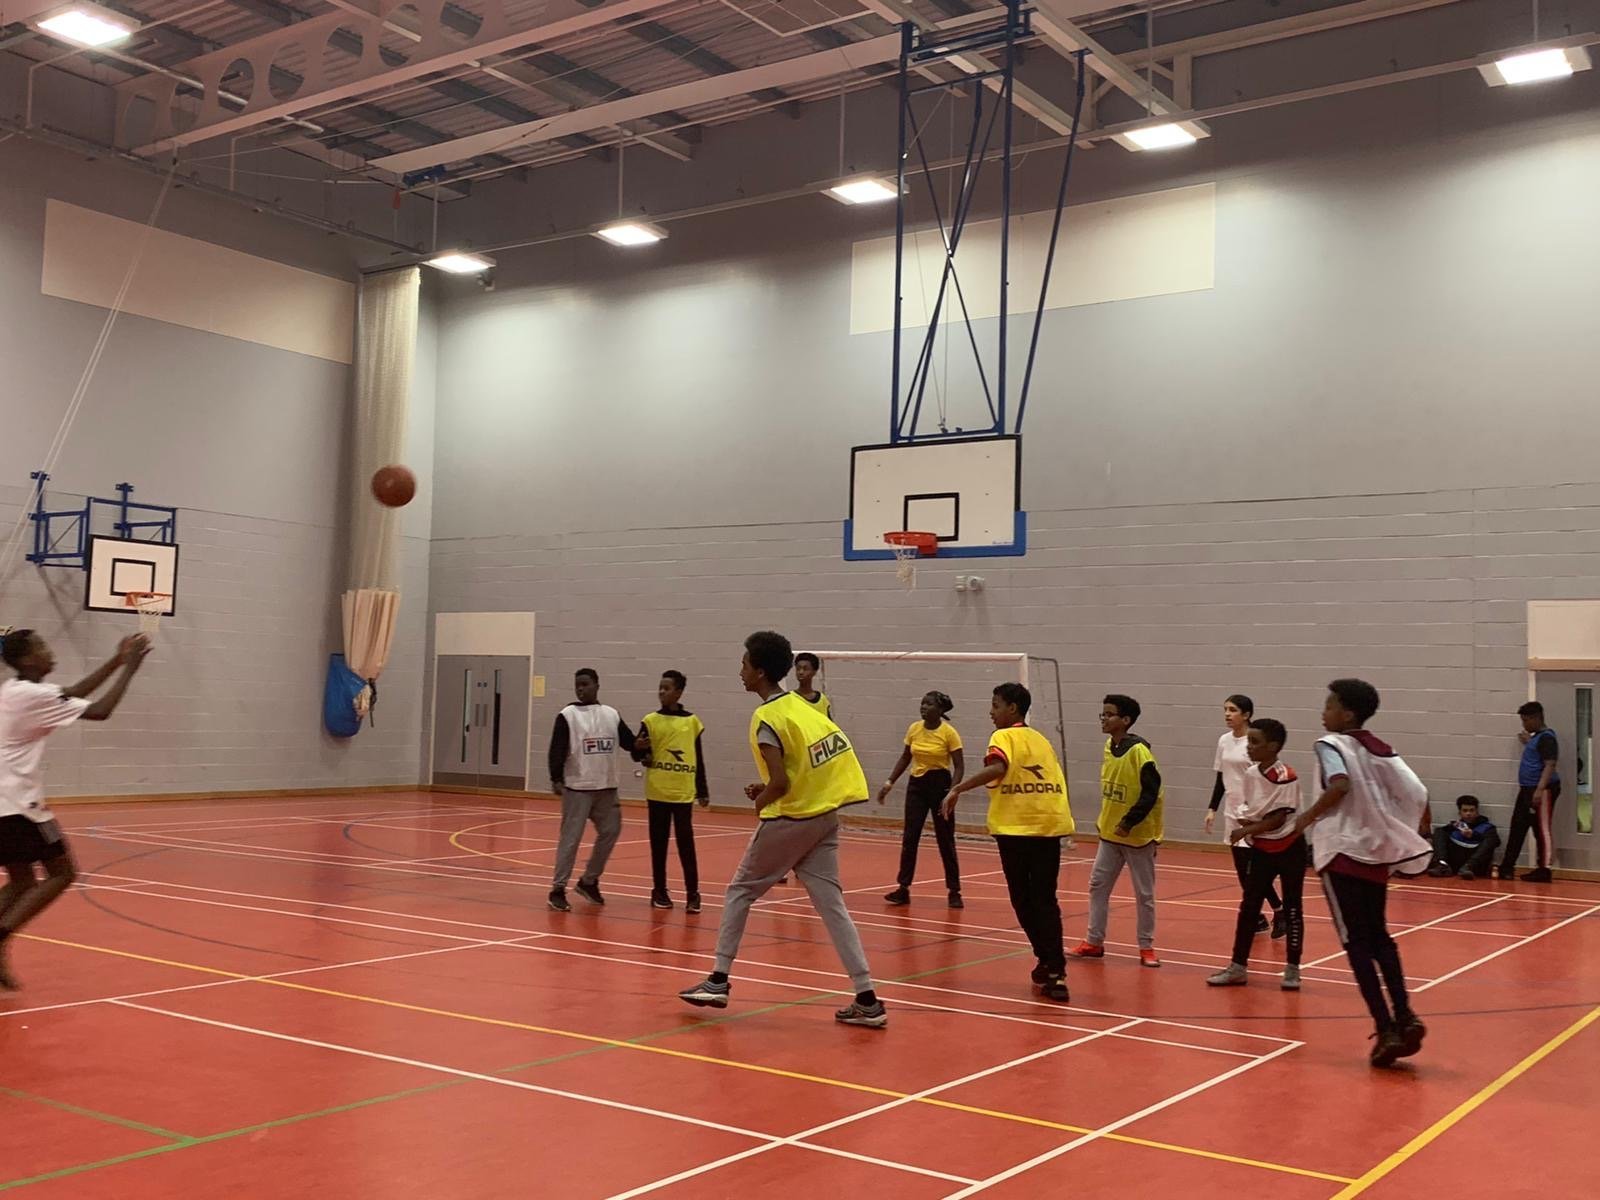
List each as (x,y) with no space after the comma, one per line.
(1280,925)
(868,1016)
(692,905)
(589,891)
(558,901)
(1056,989)
(1537,875)
(900,896)
(1504,873)
(1262,925)
(1040,979)
(660,900)
(1411,1032)
(1467,873)
(1388,1048)
(1439,870)
(956,901)
(706,994)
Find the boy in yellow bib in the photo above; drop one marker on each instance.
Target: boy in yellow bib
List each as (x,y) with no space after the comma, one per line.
(1132,801)
(674,779)
(809,771)
(1029,814)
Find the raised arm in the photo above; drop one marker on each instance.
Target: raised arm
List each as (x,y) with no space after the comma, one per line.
(95,679)
(132,657)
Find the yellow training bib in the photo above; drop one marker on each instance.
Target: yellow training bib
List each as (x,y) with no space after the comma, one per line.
(824,773)
(1030,799)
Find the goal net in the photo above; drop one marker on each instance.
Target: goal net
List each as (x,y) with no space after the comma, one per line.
(877,694)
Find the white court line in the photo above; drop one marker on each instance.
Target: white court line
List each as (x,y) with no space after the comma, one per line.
(516,943)
(1050,1006)
(1493,900)
(828,1126)
(195,987)
(523,1085)
(277,812)
(491,875)
(547,811)
(1114,1126)
(1517,945)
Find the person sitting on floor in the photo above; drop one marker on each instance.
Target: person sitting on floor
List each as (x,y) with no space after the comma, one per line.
(1466,846)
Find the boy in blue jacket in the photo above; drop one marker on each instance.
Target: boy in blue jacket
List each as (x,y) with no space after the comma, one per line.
(1466,846)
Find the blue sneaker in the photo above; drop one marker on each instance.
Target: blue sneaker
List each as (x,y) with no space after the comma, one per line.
(707,994)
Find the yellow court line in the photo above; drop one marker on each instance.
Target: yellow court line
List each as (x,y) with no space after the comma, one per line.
(1456,1115)
(488,854)
(647,1048)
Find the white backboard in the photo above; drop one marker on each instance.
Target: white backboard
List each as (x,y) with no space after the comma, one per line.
(118,566)
(966,491)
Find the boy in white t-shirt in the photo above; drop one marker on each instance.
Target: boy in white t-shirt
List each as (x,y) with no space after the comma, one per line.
(30,710)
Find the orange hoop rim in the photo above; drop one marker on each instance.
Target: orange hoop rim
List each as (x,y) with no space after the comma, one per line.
(925,544)
(135,599)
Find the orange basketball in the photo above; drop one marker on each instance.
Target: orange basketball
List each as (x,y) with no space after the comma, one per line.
(394,485)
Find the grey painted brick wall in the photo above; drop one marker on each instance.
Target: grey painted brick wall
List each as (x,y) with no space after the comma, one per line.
(1422,594)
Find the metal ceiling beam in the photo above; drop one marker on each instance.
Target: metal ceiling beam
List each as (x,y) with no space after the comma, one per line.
(436,52)
(802,69)
(1039,107)
(1052,20)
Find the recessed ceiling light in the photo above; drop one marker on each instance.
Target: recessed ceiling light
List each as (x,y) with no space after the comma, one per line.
(1533,64)
(863,189)
(631,233)
(459,262)
(87,25)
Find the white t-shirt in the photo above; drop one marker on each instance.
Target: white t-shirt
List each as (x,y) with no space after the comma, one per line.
(28,714)
(1233,763)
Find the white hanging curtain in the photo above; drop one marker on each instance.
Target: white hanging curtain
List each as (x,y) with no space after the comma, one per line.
(386,342)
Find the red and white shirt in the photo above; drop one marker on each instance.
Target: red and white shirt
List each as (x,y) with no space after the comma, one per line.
(1266,791)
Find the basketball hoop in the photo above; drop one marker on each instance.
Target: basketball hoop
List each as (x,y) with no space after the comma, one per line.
(908,546)
(151,607)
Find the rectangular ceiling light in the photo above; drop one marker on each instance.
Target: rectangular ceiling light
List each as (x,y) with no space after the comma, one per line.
(631,233)
(1167,136)
(459,262)
(1533,65)
(863,189)
(87,25)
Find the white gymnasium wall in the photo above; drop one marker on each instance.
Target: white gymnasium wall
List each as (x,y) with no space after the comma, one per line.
(246,434)
(1351,454)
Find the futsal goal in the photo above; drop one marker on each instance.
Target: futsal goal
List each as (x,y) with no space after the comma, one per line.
(876,696)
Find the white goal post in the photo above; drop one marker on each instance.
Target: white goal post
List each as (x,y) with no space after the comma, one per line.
(1035,672)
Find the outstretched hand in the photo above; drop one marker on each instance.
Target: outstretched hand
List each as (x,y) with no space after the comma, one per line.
(948,808)
(132,650)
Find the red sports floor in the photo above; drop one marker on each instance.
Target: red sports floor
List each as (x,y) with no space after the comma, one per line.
(366,996)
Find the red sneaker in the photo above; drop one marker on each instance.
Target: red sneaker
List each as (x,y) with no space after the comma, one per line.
(1087,950)
(1147,958)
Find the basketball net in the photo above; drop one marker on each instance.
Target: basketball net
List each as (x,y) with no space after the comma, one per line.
(151,606)
(905,565)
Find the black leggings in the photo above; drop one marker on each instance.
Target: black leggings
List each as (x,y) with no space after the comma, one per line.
(1358,909)
(924,796)
(1261,869)
(667,818)
(1241,867)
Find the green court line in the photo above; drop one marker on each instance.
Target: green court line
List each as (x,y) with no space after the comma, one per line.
(184,1142)
(95,1114)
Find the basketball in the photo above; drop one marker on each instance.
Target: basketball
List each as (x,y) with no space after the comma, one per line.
(394,485)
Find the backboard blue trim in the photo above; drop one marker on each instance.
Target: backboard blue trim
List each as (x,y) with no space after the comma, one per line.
(1017,547)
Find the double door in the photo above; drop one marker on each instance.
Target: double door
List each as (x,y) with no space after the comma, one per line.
(480,727)
(1569,709)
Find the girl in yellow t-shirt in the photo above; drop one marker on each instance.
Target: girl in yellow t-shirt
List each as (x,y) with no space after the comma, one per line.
(933,752)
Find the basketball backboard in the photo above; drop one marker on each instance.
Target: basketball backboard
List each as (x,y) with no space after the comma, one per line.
(965,490)
(118,566)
